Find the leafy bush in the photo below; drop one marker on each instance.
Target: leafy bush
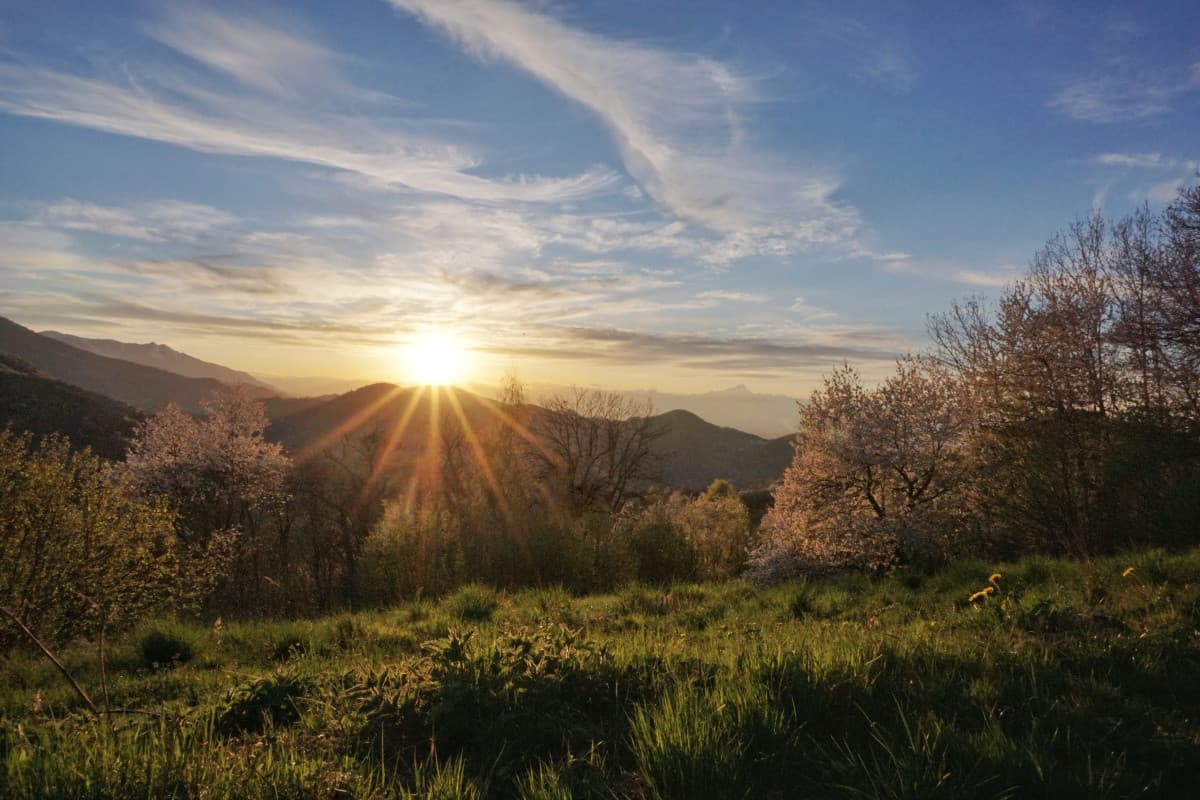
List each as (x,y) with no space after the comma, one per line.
(266,701)
(528,696)
(659,543)
(718,525)
(75,546)
(473,603)
(410,553)
(164,649)
(802,602)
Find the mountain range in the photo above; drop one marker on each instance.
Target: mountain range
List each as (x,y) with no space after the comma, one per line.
(94,390)
(160,356)
(145,388)
(767,415)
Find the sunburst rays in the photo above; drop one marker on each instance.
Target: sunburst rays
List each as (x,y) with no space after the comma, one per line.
(427,454)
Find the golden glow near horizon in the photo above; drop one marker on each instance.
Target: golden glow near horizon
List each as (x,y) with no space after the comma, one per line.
(435,359)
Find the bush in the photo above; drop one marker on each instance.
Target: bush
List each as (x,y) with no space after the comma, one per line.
(75,546)
(661,548)
(410,553)
(718,525)
(504,707)
(164,649)
(474,603)
(268,701)
(801,602)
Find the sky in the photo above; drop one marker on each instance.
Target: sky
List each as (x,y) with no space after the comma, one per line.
(680,195)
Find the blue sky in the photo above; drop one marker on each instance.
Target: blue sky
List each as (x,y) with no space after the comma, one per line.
(669,194)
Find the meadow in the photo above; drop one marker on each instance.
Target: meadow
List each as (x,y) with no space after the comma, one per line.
(1066,679)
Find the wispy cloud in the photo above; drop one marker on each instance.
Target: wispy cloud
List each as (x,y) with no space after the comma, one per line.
(953,271)
(1110,99)
(269,53)
(732,296)
(706,352)
(162,221)
(1159,193)
(676,117)
(886,60)
(1149,170)
(1143,160)
(287,101)
(809,312)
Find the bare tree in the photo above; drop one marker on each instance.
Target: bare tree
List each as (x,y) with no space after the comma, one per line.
(598,447)
(1084,377)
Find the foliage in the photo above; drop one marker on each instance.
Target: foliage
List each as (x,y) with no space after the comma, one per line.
(1086,380)
(473,603)
(268,701)
(77,551)
(874,470)
(221,476)
(163,649)
(718,525)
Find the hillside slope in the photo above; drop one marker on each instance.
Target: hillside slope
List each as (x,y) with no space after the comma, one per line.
(42,406)
(695,452)
(160,356)
(144,388)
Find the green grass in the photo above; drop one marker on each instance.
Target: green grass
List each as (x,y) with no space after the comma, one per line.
(1071,681)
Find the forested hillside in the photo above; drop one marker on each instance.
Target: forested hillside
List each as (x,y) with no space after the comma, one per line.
(42,406)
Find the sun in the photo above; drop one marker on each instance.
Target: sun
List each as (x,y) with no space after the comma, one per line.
(435,359)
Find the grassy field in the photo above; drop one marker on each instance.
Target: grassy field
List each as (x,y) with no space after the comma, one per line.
(1070,680)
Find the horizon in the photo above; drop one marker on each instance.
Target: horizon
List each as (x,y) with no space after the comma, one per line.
(623,197)
(768,416)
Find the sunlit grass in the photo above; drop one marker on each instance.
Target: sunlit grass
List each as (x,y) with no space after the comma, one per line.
(847,687)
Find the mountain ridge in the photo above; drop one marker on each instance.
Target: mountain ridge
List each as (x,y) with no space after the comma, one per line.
(692,452)
(161,356)
(145,388)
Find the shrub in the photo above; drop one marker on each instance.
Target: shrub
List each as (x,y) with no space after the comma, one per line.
(410,553)
(718,525)
(660,545)
(288,647)
(164,649)
(75,546)
(801,602)
(474,603)
(267,701)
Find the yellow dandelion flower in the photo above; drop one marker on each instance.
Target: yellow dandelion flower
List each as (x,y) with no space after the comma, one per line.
(982,593)
(1127,572)
(995,576)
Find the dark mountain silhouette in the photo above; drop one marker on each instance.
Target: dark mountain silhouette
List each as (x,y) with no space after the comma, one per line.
(144,388)
(692,453)
(42,406)
(767,415)
(160,356)
(695,452)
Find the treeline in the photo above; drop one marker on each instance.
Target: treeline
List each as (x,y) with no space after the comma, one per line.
(1063,419)
(205,513)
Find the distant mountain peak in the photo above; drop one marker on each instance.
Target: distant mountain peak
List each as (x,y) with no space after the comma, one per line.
(741,390)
